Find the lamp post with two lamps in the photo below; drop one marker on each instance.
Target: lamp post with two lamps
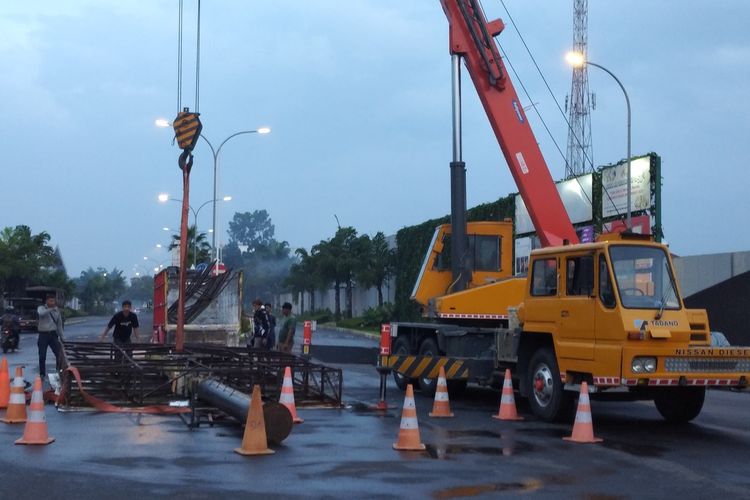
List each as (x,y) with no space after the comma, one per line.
(216,152)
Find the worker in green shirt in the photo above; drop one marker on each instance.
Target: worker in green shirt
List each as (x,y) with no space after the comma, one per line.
(285,338)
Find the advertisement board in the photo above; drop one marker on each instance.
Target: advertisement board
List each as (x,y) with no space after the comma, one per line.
(523,249)
(576,197)
(615,187)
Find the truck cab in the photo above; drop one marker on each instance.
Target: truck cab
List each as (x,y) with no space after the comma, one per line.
(610,313)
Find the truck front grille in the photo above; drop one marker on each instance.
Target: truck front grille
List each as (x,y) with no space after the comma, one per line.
(708,365)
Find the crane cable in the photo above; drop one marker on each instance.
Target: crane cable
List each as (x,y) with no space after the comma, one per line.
(180,38)
(179,57)
(198,60)
(557,103)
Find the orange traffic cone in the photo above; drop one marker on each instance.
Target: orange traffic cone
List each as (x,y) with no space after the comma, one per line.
(507,409)
(408,434)
(287,396)
(441,407)
(35,431)
(254,441)
(4,384)
(583,428)
(16,413)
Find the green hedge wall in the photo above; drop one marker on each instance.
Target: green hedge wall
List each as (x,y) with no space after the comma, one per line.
(412,244)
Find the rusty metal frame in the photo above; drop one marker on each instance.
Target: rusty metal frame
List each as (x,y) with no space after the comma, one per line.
(151,374)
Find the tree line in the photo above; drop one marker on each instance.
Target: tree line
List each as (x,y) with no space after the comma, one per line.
(28,259)
(343,261)
(271,268)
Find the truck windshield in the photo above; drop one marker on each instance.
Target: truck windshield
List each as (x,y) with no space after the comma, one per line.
(644,277)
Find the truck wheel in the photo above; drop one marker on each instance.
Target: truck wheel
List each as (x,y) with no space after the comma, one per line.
(547,396)
(401,348)
(428,347)
(680,405)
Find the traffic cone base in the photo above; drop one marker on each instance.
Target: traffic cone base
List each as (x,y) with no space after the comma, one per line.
(16,412)
(441,408)
(287,396)
(35,431)
(419,447)
(250,453)
(254,440)
(408,433)
(507,409)
(583,428)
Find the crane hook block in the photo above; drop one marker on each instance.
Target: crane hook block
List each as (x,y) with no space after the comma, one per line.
(187,129)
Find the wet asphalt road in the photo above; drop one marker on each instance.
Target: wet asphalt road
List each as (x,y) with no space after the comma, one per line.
(347,453)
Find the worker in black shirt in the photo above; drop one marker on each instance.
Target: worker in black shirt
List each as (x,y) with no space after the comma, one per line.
(125,323)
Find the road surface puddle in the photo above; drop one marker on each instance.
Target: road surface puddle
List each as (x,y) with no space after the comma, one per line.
(483,489)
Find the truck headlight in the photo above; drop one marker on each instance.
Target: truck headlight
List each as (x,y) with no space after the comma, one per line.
(649,364)
(643,365)
(637,365)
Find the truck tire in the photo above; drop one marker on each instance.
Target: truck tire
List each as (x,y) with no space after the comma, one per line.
(680,405)
(547,396)
(401,348)
(428,347)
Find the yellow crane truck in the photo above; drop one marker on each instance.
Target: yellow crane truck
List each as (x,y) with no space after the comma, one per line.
(609,313)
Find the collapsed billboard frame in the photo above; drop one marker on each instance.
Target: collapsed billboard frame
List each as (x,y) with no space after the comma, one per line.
(151,374)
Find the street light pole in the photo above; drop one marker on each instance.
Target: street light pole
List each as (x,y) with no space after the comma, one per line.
(627,102)
(216,152)
(164,197)
(577,60)
(163,123)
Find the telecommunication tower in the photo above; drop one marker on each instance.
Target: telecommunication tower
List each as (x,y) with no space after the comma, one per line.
(580,102)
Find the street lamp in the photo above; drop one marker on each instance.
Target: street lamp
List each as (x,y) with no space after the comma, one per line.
(157,265)
(161,122)
(578,60)
(164,197)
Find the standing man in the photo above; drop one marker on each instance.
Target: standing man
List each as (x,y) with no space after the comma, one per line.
(271,326)
(125,323)
(260,325)
(50,330)
(287,328)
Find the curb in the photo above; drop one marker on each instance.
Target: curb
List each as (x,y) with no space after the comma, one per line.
(76,321)
(361,333)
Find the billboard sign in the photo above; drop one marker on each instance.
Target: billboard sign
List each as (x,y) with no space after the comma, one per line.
(615,187)
(523,249)
(576,197)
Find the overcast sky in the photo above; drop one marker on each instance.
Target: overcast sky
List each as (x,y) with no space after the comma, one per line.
(358,96)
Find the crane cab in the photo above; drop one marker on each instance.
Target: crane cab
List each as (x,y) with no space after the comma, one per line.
(490,259)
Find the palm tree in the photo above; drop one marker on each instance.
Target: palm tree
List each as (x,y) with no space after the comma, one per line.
(198,250)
